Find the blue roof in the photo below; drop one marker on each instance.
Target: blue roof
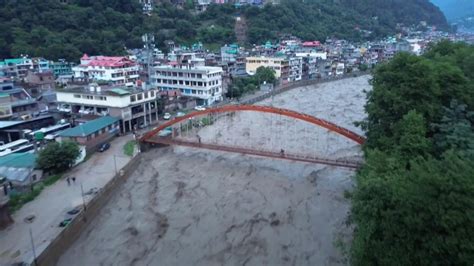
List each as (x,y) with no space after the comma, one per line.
(89,127)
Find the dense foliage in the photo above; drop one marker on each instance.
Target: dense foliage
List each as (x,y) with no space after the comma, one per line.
(58,157)
(55,30)
(318,19)
(241,86)
(414,201)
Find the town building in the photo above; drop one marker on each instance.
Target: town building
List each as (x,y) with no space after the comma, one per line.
(20,170)
(296,69)
(15,130)
(5,106)
(93,133)
(35,83)
(134,107)
(62,68)
(21,101)
(201,82)
(280,65)
(117,70)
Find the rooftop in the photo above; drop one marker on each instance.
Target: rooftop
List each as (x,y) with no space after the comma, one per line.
(90,127)
(18,160)
(104,90)
(105,61)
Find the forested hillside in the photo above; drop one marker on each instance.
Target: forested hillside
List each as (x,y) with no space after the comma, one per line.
(414,200)
(54,30)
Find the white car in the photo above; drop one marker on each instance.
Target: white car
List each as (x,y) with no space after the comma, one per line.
(199,108)
(167,116)
(180,114)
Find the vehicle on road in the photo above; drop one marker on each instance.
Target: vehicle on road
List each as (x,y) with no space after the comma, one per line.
(166,132)
(167,116)
(200,108)
(180,114)
(104,147)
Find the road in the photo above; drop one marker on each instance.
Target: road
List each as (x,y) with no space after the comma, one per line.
(51,206)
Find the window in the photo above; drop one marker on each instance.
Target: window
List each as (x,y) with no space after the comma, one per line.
(132,98)
(77,96)
(139,97)
(89,97)
(152,94)
(146,95)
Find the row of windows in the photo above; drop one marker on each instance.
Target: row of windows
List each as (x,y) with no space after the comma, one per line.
(90,97)
(141,96)
(187,82)
(186,75)
(195,92)
(179,74)
(263,62)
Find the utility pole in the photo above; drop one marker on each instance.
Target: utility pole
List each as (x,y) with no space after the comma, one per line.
(35,260)
(115,164)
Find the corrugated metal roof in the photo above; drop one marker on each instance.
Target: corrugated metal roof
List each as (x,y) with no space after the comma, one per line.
(15,174)
(90,127)
(18,160)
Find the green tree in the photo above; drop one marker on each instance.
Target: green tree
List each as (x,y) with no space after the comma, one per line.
(414,199)
(411,136)
(421,216)
(265,74)
(455,130)
(58,157)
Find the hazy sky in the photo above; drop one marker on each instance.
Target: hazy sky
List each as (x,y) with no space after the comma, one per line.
(455,8)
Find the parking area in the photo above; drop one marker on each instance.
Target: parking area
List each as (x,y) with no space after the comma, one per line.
(44,214)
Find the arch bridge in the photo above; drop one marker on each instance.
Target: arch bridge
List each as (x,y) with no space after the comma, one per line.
(185,131)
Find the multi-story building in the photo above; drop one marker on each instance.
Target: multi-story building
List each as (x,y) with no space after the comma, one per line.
(295,69)
(21,101)
(21,65)
(62,68)
(5,106)
(280,65)
(201,82)
(135,108)
(229,53)
(116,70)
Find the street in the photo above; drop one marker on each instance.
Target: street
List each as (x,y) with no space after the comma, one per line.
(52,205)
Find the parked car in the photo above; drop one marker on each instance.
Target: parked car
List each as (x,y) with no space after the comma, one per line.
(180,114)
(200,108)
(104,147)
(167,116)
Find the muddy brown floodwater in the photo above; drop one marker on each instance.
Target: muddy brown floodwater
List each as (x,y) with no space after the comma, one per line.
(183,206)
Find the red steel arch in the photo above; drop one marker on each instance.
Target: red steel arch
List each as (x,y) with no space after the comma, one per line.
(263,109)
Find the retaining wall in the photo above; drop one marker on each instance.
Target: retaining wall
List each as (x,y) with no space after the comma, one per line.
(74,229)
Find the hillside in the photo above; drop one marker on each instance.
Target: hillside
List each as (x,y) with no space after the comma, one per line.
(455,9)
(54,30)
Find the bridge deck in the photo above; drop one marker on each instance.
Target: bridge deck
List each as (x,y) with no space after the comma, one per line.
(276,155)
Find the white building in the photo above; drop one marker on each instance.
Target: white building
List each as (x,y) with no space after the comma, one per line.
(296,69)
(117,70)
(201,82)
(136,108)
